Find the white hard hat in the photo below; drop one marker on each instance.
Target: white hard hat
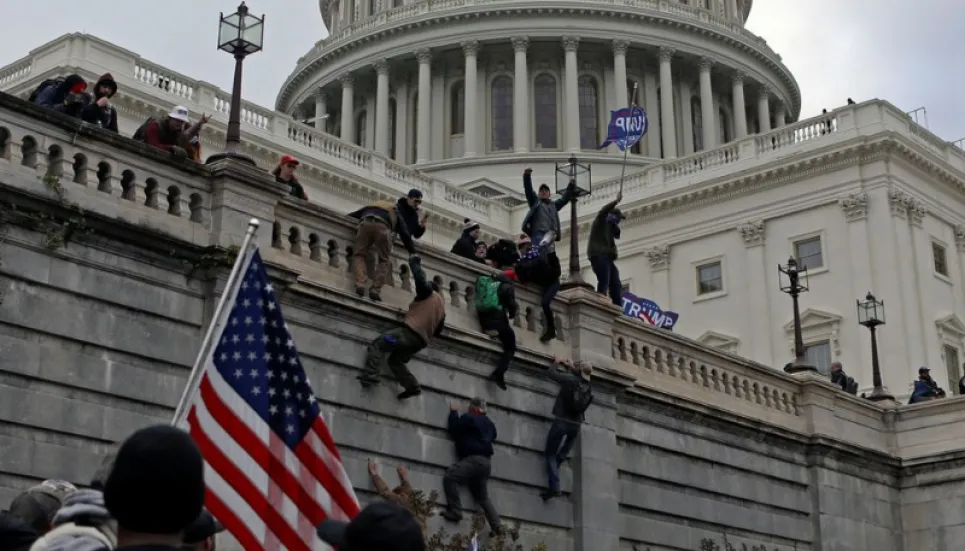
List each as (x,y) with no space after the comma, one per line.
(179,113)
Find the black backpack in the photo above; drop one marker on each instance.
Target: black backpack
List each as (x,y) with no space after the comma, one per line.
(141,130)
(852,387)
(49,83)
(578,397)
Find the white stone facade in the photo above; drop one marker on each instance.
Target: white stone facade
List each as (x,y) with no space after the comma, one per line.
(877,197)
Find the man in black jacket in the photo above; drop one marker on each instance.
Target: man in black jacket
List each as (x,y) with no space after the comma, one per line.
(602,250)
(572,401)
(411,212)
(495,303)
(99,111)
(473,434)
(465,246)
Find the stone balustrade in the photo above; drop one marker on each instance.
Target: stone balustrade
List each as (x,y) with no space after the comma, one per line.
(48,156)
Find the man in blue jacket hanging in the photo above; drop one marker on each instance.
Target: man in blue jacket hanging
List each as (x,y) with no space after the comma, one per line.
(542,225)
(473,433)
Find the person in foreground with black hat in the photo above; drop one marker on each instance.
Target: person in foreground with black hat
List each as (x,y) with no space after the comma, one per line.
(155,489)
(602,250)
(200,536)
(410,209)
(382,526)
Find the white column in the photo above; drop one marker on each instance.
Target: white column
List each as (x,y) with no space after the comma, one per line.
(764,110)
(732,12)
(653,133)
(686,116)
(739,107)
(382,107)
(348,108)
(572,94)
(668,131)
(707,111)
(521,109)
(321,109)
(425,105)
(780,115)
(620,48)
(470,49)
(402,121)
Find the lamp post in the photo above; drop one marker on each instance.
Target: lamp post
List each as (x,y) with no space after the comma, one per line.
(579,174)
(240,34)
(871,314)
(793,286)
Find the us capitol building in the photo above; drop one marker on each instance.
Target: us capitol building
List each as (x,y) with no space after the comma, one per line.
(457,97)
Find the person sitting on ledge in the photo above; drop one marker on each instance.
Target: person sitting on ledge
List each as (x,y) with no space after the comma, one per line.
(925,388)
(284,173)
(495,304)
(465,246)
(99,111)
(377,223)
(425,319)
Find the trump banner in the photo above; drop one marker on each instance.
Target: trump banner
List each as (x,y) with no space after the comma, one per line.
(648,311)
(626,127)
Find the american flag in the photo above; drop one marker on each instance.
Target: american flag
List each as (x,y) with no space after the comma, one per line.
(272,471)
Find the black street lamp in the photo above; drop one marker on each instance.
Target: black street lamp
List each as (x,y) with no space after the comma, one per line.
(871,314)
(240,34)
(578,174)
(794,287)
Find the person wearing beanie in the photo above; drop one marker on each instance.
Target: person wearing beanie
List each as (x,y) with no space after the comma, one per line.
(465,246)
(32,513)
(155,489)
(99,111)
(81,524)
(602,250)
(542,225)
(411,211)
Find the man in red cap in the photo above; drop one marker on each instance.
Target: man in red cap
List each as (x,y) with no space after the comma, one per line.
(284,173)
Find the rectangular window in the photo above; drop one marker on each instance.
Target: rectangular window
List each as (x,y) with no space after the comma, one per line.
(625,287)
(819,355)
(940,259)
(710,279)
(951,366)
(808,253)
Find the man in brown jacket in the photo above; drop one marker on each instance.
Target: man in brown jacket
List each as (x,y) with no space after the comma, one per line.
(425,319)
(377,223)
(400,495)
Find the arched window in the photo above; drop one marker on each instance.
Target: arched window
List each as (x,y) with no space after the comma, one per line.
(457,108)
(393,110)
(697,122)
(724,134)
(545,109)
(589,106)
(360,123)
(502,113)
(660,120)
(638,100)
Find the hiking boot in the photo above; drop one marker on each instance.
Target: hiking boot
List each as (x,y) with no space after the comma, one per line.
(374,295)
(409,393)
(549,494)
(548,335)
(499,380)
(360,291)
(450,515)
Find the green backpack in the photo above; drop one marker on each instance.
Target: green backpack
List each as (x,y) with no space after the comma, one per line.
(487,295)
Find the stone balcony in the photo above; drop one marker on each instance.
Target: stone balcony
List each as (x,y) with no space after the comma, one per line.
(790,453)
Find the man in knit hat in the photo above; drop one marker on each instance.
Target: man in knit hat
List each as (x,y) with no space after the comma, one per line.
(155,489)
(465,246)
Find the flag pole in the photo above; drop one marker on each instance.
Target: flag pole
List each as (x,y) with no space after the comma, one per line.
(626,150)
(194,377)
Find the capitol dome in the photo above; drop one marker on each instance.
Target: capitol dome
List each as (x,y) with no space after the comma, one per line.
(473,91)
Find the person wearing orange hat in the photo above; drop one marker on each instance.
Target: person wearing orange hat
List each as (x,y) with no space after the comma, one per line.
(284,173)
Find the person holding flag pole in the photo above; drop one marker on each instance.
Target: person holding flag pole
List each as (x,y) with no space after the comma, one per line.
(272,471)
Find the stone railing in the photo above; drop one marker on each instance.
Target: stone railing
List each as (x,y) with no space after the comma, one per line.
(117,183)
(431,8)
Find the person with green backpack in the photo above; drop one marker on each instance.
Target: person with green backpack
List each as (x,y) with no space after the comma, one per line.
(495,303)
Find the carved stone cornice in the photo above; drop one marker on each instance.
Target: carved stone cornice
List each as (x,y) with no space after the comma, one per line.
(960,238)
(520,43)
(854,206)
(898,203)
(470,48)
(381,66)
(916,212)
(752,233)
(571,43)
(321,95)
(659,257)
(620,47)
(665,55)
(347,80)
(423,55)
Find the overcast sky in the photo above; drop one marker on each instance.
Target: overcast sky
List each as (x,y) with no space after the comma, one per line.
(909,53)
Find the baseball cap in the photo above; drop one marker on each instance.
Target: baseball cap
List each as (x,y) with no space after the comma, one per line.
(382,525)
(38,505)
(288,159)
(179,113)
(922,370)
(202,528)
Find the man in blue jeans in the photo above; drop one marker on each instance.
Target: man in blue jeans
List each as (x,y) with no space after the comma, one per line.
(602,250)
(572,401)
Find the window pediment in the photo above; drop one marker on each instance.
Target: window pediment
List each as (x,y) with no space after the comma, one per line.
(951,329)
(817,326)
(720,341)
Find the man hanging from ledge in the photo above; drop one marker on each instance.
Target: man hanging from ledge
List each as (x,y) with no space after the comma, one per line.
(569,411)
(425,319)
(377,223)
(473,433)
(542,225)
(495,304)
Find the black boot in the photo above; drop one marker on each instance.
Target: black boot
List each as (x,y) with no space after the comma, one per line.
(409,393)
(368,380)
(360,291)
(499,379)
(450,515)
(548,335)
(374,295)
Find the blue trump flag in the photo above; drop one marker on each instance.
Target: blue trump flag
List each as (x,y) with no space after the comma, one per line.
(648,311)
(626,127)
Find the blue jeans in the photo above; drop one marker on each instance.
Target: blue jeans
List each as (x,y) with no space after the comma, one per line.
(559,442)
(607,278)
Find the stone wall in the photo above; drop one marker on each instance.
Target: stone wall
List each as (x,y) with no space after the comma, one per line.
(683,442)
